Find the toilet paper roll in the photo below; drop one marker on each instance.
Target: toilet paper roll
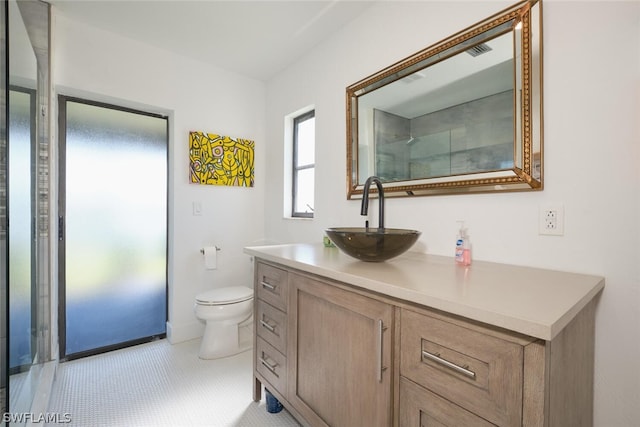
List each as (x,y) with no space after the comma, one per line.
(211,257)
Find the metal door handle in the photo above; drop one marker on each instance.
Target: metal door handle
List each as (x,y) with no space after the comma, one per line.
(267,365)
(379,368)
(60,228)
(460,369)
(268,285)
(268,326)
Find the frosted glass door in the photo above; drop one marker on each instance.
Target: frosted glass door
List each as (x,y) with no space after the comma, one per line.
(114,227)
(21,297)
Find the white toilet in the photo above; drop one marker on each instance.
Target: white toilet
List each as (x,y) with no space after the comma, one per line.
(224,310)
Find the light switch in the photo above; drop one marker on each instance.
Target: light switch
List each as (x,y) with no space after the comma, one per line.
(197,208)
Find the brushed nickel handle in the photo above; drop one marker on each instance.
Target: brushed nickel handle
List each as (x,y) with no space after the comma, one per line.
(269,366)
(268,285)
(379,368)
(267,326)
(460,369)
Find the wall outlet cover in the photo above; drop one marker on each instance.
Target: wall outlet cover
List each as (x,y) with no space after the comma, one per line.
(551,221)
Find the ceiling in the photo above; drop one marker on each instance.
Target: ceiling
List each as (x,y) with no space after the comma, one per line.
(254,38)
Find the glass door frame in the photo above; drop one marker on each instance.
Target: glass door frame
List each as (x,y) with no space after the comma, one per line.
(4,244)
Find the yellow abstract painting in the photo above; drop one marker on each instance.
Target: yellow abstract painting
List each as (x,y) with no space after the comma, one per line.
(221,160)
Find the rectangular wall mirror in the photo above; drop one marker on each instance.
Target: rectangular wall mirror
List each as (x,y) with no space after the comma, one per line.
(461,116)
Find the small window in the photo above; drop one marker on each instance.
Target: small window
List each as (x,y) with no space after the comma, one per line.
(304,147)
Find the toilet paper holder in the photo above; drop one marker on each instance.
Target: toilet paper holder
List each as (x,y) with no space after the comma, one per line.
(202,250)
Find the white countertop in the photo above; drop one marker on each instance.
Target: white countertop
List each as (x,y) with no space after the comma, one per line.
(531,301)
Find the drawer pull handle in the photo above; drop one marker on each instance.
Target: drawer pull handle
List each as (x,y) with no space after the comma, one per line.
(268,326)
(460,369)
(380,369)
(269,366)
(268,285)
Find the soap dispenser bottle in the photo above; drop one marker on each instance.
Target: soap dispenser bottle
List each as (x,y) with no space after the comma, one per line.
(466,249)
(459,254)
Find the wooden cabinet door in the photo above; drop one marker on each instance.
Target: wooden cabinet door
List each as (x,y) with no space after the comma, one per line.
(421,408)
(339,356)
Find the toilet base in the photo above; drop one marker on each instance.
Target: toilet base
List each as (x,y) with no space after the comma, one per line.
(222,339)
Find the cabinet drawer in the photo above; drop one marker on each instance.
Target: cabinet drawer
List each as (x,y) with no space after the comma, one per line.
(271,325)
(272,285)
(481,373)
(421,408)
(272,365)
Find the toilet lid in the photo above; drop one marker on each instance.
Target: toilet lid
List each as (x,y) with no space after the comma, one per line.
(228,295)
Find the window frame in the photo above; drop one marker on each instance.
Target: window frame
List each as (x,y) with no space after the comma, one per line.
(295,169)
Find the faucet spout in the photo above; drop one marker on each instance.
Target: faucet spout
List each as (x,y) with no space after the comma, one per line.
(364,209)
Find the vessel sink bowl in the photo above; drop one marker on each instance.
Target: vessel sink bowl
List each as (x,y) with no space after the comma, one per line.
(372,244)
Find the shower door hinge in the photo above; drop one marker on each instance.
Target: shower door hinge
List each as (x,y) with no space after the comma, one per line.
(60,228)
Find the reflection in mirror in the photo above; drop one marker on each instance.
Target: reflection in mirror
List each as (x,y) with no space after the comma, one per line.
(463,115)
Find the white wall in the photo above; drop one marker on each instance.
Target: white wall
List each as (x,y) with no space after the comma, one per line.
(106,67)
(591,108)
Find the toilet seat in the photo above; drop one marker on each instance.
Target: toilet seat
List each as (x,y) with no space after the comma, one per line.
(223,296)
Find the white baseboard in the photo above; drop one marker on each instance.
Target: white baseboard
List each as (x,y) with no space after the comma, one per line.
(184,332)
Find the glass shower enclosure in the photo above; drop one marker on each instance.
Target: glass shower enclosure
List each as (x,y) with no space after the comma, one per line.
(24,205)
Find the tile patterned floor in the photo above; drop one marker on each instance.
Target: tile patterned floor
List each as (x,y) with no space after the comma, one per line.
(159,384)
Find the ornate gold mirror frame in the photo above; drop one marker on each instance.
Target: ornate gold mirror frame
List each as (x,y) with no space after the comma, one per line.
(521,26)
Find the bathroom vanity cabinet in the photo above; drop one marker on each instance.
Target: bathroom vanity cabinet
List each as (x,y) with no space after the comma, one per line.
(312,337)
(420,341)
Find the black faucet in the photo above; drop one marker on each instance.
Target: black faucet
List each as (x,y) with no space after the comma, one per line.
(364,209)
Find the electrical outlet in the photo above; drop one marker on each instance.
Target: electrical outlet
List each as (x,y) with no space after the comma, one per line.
(551,221)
